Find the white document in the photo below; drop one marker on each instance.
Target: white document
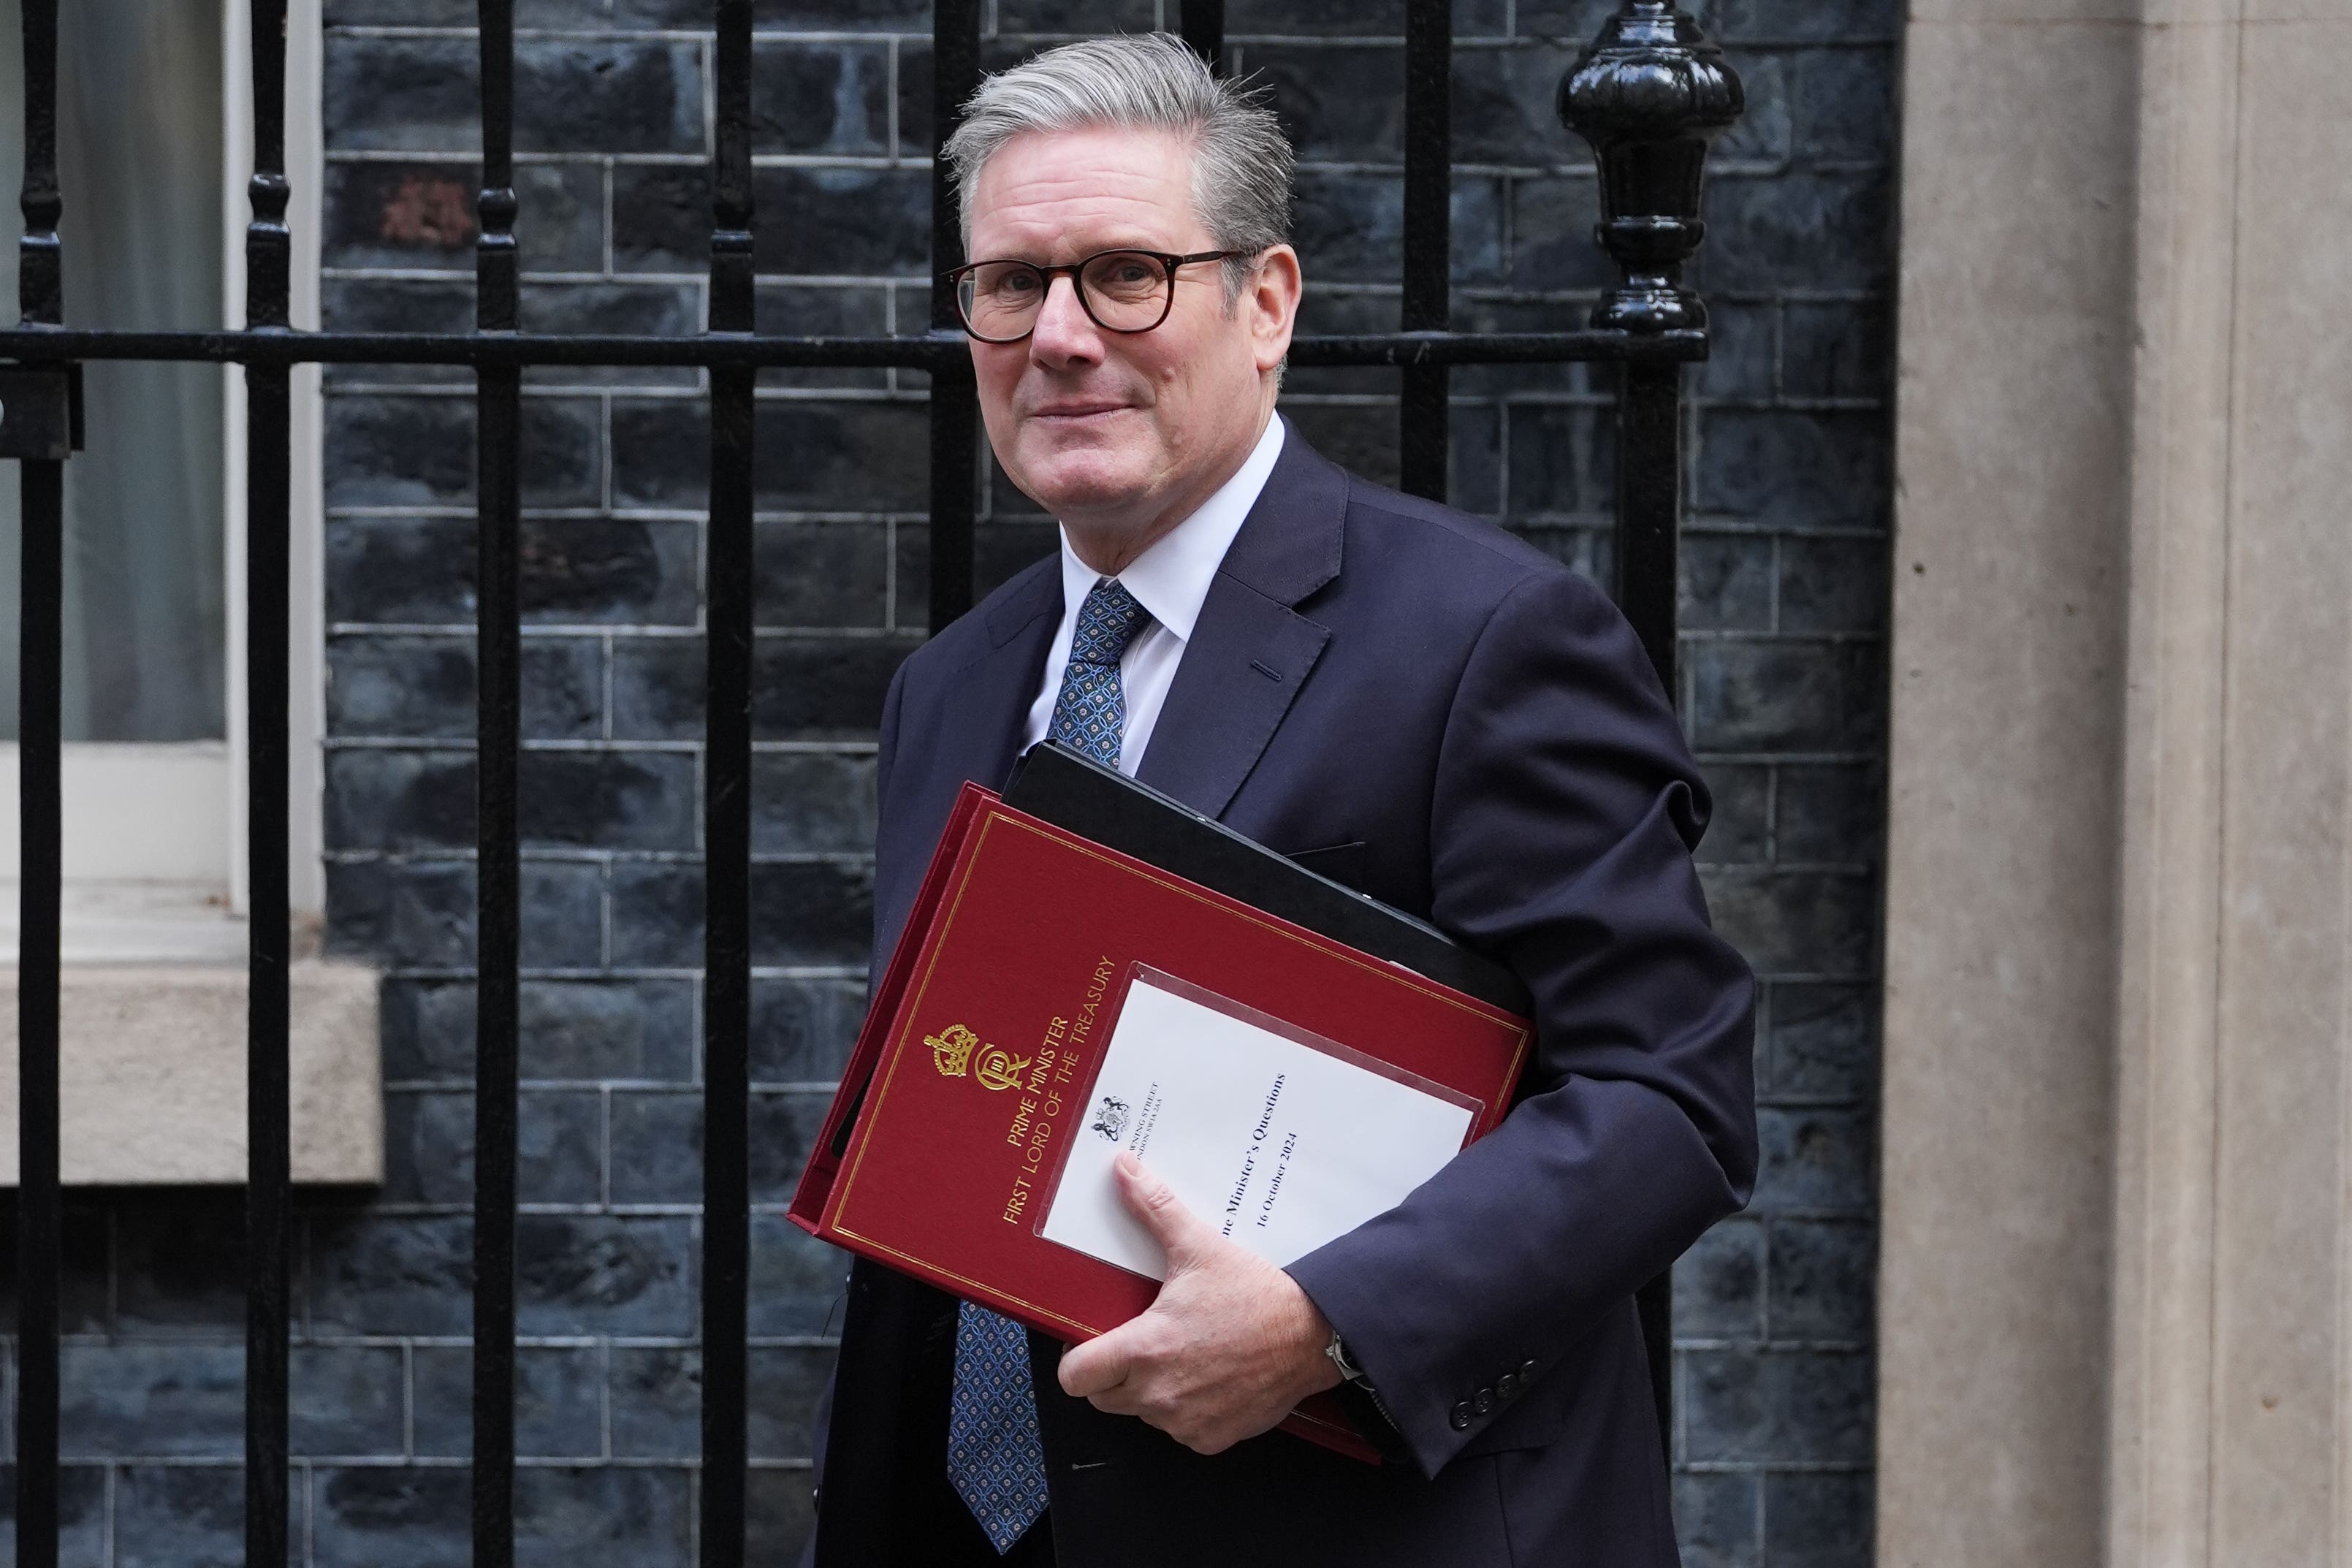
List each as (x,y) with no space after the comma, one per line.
(1279,1145)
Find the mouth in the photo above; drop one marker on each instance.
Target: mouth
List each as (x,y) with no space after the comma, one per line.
(1074,413)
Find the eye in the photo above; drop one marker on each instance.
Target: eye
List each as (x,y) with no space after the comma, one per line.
(1013,283)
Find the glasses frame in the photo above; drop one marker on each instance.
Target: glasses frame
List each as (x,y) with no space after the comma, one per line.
(1168,262)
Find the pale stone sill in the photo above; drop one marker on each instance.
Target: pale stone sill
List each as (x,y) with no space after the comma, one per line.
(151,1067)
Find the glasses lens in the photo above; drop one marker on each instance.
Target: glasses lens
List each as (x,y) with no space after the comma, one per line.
(1128,288)
(1000,298)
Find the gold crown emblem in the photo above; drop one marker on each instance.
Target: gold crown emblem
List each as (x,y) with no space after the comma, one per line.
(951,1050)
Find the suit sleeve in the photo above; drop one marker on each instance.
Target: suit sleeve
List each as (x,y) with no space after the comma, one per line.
(1564,815)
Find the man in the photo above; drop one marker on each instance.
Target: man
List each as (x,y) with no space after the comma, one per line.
(1397,695)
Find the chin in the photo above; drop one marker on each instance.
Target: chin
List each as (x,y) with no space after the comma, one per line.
(1083,480)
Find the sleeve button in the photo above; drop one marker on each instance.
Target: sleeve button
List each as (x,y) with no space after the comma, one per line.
(1483,1401)
(1506,1387)
(1527,1370)
(1461,1417)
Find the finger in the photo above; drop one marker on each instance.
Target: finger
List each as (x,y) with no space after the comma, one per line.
(1181,1232)
(1089,1369)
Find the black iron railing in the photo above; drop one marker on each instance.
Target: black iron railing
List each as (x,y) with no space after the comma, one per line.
(1649,95)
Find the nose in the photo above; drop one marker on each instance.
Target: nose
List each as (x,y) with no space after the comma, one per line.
(1064,334)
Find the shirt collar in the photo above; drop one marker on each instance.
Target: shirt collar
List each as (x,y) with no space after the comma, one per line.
(1170,580)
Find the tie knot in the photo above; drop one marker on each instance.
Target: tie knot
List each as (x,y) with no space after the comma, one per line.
(1108,622)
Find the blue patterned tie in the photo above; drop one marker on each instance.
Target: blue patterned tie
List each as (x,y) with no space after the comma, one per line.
(995,1461)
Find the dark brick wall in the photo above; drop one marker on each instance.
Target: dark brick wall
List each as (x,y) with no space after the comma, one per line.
(1783,599)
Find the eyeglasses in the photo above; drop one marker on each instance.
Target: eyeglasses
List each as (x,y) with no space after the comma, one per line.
(1120,290)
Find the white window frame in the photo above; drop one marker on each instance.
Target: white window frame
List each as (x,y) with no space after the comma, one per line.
(154,846)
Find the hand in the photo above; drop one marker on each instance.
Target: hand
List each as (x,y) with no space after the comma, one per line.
(1229,1346)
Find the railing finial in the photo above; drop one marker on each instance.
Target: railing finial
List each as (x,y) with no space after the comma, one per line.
(1650,94)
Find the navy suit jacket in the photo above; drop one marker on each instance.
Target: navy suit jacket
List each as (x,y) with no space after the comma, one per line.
(1413,703)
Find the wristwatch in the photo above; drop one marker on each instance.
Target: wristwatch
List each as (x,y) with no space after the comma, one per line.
(1337,1352)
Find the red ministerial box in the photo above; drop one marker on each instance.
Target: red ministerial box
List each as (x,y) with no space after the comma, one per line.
(980,1049)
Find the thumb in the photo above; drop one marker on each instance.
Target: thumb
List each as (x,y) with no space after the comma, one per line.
(1179,1232)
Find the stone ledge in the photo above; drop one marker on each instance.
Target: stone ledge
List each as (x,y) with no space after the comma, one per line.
(152,1062)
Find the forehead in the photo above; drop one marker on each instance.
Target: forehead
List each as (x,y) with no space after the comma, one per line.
(1048,193)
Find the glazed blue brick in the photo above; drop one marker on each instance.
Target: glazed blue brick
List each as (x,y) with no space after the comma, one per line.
(598,1274)
(802,1030)
(1835,348)
(419,214)
(812,803)
(1809,468)
(85,1282)
(648,309)
(559,1401)
(779,1512)
(421,913)
(1552,234)
(803,16)
(803,688)
(383,1274)
(577,1030)
(1075,16)
(394,451)
(1741,831)
(346,1399)
(81,1514)
(430,1147)
(1827,812)
(821,574)
(571,95)
(1821,1275)
(1338,103)
(1833,585)
(1846,20)
(832,310)
(657,1401)
(572,571)
(1844,105)
(1503,106)
(183,1400)
(1815,1159)
(422,687)
(802,912)
(809,456)
(1743,353)
(1797,231)
(372,1517)
(656,1146)
(397,304)
(1795,922)
(1717,1519)
(1339,19)
(409,800)
(1719,1284)
(1563,460)
(178,1266)
(1778,694)
(798,1283)
(820,222)
(1727,582)
(1819,1041)
(1000,547)
(821,98)
(612,1516)
(1820,1520)
(172,1516)
(1776,1404)
(1763,135)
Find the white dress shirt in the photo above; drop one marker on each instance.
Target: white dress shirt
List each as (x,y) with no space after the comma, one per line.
(1170,580)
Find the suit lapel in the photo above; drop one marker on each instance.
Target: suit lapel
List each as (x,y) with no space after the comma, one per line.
(989,699)
(1250,651)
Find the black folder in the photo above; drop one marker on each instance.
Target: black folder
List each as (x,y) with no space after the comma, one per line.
(1068,789)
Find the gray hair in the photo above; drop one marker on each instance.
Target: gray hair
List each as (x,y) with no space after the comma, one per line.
(1149,81)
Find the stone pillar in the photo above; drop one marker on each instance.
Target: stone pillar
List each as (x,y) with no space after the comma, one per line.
(2115,1295)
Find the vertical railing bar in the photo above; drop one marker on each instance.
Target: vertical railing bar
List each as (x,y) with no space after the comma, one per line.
(269,416)
(1201,25)
(955,401)
(727,824)
(499,393)
(1421,417)
(40,677)
(1649,517)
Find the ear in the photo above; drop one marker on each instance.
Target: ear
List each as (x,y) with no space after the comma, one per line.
(1270,300)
